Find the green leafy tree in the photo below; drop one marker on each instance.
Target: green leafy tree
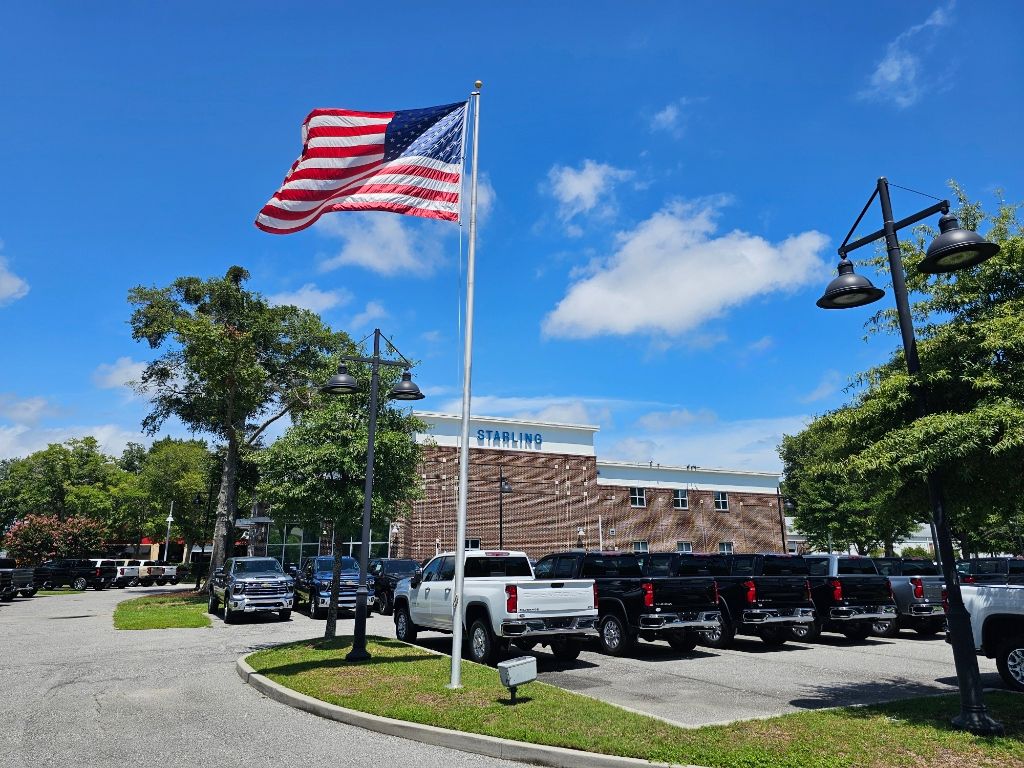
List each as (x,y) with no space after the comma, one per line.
(230,366)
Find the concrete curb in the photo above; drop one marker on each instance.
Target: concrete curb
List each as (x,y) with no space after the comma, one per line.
(491,746)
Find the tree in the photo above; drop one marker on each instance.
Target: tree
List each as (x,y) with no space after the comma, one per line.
(231,365)
(36,538)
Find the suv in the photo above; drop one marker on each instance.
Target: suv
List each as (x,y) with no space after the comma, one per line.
(251,585)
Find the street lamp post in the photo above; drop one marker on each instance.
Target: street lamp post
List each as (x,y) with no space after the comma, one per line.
(167,540)
(206,524)
(343,383)
(504,486)
(955,248)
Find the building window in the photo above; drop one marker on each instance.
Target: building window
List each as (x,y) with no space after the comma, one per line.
(640,547)
(725,547)
(472,543)
(637,497)
(679,499)
(684,546)
(721,501)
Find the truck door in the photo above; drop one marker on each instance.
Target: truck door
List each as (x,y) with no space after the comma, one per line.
(419,596)
(441,594)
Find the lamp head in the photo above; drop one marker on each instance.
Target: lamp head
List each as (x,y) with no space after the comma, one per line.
(341,383)
(956,248)
(406,389)
(849,289)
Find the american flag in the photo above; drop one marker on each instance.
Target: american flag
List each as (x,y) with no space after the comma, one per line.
(406,162)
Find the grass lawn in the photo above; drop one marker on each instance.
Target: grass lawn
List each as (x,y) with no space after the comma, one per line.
(162,612)
(408,683)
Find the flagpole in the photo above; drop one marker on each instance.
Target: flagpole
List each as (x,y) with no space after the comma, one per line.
(458,609)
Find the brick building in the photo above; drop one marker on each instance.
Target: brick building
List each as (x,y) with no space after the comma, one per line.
(558,494)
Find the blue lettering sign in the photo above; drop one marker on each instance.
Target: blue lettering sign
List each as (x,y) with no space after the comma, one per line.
(479,434)
(529,439)
(537,439)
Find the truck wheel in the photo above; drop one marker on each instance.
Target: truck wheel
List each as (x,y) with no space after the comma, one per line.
(930,627)
(99,586)
(1010,662)
(566,649)
(29,592)
(48,586)
(616,639)
(684,642)
(858,632)
(774,637)
(212,605)
(80,584)
(229,615)
(805,633)
(482,648)
(314,608)
(161,582)
(721,637)
(384,604)
(405,630)
(8,596)
(134,582)
(885,628)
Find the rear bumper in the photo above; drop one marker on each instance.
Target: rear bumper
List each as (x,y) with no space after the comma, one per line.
(926,610)
(673,621)
(862,613)
(778,616)
(553,626)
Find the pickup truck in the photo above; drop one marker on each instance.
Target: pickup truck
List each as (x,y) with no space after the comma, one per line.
(79,574)
(917,585)
(15,580)
(762,595)
(503,602)
(127,573)
(997,622)
(169,573)
(150,572)
(313,584)
(251,585)
(991,570)
(849,597)
(633,605)
(386,573)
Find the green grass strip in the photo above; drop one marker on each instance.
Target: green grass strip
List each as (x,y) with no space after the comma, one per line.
(178,611)
(408,683)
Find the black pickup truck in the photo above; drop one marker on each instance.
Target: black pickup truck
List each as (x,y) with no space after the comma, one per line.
(631,605)
(849,596)
(79,574)
(763,595)
(991,570)
(14,580)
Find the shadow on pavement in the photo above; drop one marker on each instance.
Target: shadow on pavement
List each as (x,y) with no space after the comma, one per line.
(866,692)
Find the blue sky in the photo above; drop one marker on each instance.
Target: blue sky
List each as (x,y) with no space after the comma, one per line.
(664,188)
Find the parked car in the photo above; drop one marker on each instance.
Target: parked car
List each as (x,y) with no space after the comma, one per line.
(503,604)
(387,572)
(127,573)
(991,570)
(78,574)
(997,623)
(633,605)
(313,584)
(849,596)
(15,581)
(764,595)
(251,585)
(917,584)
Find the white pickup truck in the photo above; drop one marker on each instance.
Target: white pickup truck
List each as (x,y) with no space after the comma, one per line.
(503,605)
(997,620)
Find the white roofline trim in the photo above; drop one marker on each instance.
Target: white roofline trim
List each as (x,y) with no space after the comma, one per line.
(504,420)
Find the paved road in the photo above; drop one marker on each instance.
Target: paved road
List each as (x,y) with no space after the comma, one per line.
(76,693)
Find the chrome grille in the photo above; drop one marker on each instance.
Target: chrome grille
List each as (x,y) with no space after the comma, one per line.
(265,590)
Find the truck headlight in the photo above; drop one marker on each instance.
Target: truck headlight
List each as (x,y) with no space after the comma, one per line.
(238,588)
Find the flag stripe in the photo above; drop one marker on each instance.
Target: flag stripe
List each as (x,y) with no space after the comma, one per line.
(326,131)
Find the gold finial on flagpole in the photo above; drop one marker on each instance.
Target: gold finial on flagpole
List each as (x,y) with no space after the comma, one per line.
(478,84)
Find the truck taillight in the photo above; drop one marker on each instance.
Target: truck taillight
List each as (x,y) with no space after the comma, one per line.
(511,598)
(807,590)
(595,595)
(648,590)
(966,579)
(837,590)
(97,571)
(751,591)
(120,571)
(918,587)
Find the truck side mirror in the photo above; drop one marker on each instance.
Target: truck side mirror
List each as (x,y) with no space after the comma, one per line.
(218,571)
(417,578)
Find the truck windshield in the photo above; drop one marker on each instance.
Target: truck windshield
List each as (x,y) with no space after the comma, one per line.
(326,564)
(497,566)
(263,565)
(400,566)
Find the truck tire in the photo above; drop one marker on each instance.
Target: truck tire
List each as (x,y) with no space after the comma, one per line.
(774,637)
(314,608)
(48,586)
(885,628)
(384,604)
(161,582)
(721,637)
(286,614)
(616,639)
(857,632)
(134,582)
(230,616)
(80,584)
(405,630)
(1010,662)
(29,592)
(99,586)
(566,648)
(806,633)
(212,605)
(481,645)
(929,627)
(8,596)
(684,642)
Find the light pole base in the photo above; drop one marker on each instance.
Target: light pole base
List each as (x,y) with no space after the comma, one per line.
(453,687)
(358,654)
(978,723)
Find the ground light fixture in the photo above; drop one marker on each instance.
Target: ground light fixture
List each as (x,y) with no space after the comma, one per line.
(344,383)
(955,248)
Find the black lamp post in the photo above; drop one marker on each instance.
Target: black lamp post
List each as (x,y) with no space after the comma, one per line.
(344,383)
(504,486)
(955,248)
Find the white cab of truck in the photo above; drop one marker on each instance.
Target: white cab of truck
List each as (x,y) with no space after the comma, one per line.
(997,620)
(503,605)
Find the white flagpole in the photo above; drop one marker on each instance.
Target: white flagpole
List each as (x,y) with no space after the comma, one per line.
(467,368)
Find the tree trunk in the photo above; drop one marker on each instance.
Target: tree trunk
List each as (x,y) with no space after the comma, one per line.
(889,549)
(227,498)
(188,548)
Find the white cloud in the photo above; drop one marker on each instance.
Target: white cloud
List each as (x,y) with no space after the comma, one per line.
(121,373)
(12,287)
(761,345)
(23,411)
(671,275)
(898,76)
(384,243)
(557,409)
(20,440)
(312,298)
(374,311)
(828,386)
(670,421)
(672,118)
(587,190)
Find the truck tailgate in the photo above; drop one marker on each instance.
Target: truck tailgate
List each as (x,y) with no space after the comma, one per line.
(865,589)
(556,598)
(679,593)
(779,591)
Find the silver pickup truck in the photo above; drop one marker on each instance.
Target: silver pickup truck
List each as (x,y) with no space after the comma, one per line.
(917,585)
(246,585)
